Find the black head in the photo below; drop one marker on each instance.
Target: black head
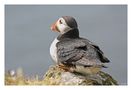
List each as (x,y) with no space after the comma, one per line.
(64,24)
(71,22)
(67,27)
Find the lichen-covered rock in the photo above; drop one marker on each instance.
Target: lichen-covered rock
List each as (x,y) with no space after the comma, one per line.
(57,76)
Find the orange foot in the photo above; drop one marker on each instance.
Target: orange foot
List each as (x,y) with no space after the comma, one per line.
(64,67)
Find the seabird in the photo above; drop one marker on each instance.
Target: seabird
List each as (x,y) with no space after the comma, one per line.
(72,52)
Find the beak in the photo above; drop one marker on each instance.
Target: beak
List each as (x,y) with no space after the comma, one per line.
(54,27)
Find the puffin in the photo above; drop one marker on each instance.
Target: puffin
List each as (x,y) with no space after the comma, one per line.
(72,52)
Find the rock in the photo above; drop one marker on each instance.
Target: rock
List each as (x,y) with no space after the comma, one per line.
(57,76)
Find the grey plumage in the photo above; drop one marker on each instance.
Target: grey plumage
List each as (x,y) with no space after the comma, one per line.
(80,52)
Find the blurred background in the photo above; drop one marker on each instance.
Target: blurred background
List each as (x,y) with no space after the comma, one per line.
(28,35)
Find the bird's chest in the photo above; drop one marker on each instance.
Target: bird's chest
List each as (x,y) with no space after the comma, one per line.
(53,50)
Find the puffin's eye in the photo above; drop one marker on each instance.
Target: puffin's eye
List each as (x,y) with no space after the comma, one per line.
(60,21)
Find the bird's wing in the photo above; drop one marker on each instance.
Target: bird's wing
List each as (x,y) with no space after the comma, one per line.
(76,51)
(100,53)
(67,50)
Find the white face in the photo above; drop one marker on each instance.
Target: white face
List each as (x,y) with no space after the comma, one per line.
(62,26)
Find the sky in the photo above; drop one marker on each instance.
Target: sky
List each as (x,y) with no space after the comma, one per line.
(28,35)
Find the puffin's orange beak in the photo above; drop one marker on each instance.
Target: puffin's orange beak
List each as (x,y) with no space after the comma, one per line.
(54,27)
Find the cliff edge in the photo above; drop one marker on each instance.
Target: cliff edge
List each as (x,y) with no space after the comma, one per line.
(57,76)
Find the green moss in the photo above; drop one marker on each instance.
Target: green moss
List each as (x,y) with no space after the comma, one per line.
(107,79)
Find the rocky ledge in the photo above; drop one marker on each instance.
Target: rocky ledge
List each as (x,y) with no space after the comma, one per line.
(57,76)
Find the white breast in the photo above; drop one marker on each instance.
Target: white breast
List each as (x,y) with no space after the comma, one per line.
(53,50)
